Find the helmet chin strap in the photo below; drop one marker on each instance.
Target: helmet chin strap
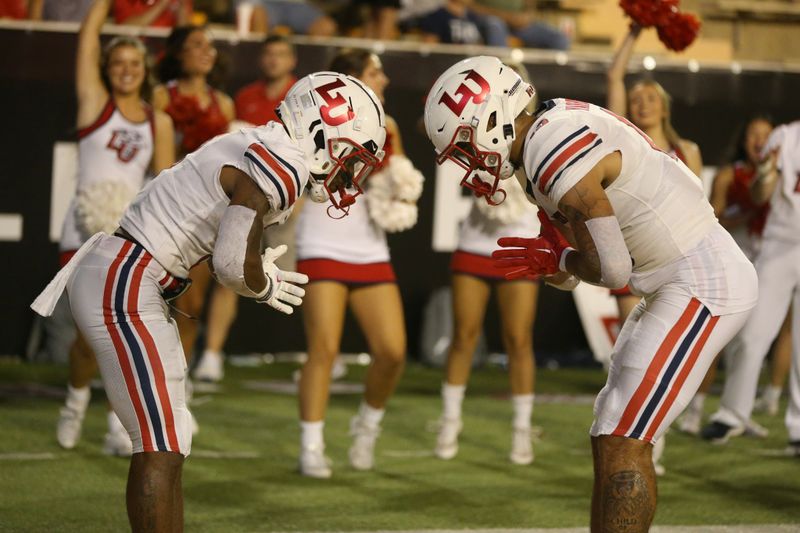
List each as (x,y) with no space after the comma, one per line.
(481,189)
(345,201)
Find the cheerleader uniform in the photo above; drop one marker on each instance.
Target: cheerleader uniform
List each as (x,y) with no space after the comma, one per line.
(478,239)
(351,250)
(112,148)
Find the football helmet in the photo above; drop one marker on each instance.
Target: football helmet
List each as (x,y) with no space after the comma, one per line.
(469,117)
(340,125)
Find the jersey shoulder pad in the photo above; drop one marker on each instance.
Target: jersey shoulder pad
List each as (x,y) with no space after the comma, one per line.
(560,151)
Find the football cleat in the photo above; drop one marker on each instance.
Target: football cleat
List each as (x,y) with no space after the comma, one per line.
(720,433)
(770,406)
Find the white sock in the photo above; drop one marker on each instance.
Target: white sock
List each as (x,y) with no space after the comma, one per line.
(369,415)
(772,393)
(698,402)
(311,434)
(452,397)
(114,423)
(78,399)
(523,409)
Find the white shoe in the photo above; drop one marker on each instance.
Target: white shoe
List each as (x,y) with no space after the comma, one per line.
(447,440)
(691,421)
(766,405)
(362,451)
(521,446)
(314,463)
(118,443)
(68,429)
(754,429)
(211,367)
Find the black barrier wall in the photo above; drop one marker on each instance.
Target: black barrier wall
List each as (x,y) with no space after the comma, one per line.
(36,86)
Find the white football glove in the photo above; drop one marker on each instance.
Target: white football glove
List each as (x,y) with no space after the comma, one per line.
(282,291)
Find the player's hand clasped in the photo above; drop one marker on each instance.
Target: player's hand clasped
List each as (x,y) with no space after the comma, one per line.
(282,291)
(544,255)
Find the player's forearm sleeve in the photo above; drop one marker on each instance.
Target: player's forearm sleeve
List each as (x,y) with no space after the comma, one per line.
(230,250)
(615,261)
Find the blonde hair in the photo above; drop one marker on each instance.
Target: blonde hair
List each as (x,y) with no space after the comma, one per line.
(145,91)
(666,103)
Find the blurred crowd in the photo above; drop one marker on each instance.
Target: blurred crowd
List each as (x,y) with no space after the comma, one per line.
(489,22)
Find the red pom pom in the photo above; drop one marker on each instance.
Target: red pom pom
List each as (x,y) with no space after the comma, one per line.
(647,13)
(679,31)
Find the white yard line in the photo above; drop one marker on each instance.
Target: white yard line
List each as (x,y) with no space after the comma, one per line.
(27,456)
(750,528)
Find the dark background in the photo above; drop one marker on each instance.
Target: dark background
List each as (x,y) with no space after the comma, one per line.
(36,84)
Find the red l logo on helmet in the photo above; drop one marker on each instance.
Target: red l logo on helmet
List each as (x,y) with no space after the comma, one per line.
(332,103)
(465,94)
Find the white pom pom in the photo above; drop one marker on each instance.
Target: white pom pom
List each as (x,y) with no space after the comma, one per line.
(512,209)
(392,195)
(99,206)
(236,125)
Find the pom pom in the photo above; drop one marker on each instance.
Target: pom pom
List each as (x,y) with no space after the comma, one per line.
(99,206)
(648,13)
(679,31)
(511,210)
(392,195)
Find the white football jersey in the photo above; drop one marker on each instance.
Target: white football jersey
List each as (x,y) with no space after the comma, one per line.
(176,216)
(351,239)
(112,148)
(659,202)
(783,221)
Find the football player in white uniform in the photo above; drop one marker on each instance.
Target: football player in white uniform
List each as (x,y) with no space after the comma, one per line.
(778,266)
(213,205)
(632,214)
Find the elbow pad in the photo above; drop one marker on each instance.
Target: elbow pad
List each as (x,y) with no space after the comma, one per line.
(230,249)
(615,260)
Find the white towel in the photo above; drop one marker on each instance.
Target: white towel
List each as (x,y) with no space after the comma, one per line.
(46,301)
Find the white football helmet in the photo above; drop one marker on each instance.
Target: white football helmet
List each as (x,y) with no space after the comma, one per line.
(469,117)
(340,125)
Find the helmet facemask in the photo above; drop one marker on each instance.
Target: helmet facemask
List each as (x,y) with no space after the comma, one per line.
(470,117)
(345,173)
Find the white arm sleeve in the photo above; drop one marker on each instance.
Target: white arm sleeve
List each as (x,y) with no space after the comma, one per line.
(615,260)
(230,250)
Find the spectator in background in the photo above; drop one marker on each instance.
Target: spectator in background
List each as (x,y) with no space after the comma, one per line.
(504,18)
(63,10)
(301,17)
(158,13)
(14,9)
(454,23)
(382,22)
(200,113)
(256,102)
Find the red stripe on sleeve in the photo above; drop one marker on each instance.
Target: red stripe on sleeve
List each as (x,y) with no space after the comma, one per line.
(274,165)
(565,156)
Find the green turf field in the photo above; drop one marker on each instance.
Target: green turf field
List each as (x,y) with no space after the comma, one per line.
(241,475)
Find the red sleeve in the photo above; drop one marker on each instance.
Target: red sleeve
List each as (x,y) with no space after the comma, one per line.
(125,9)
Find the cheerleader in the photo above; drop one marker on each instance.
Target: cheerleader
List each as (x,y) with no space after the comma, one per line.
(348,265)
